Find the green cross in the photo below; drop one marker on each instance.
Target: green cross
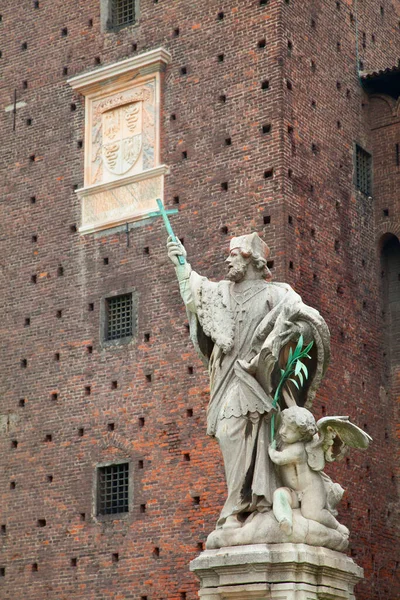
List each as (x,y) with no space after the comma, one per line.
(164,214)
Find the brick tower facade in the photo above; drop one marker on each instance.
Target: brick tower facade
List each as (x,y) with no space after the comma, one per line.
(275,116)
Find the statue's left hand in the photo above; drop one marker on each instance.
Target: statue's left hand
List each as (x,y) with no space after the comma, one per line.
(291,332)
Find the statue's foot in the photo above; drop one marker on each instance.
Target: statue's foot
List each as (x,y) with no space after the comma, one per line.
(342,529)
(286,526)
(232,522)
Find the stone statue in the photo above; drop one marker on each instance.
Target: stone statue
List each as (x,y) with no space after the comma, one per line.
(304,447)
(244,329)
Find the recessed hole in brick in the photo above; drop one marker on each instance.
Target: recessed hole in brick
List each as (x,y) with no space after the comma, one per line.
(270,264)
(81,432)
(190,370)
(265,84)
(14,443)
(291,266)
(97,60)
(385,212)
(134,47)
(90,23)
(13,485)
(146,250)
(48,437)
(261,43)
(33,199)
(266,128)
(140,464)
(3,529)
(176,32)
(156,552)
(34,567)
(220,16)
(64,32)
(24,46)
(222,98)
(41,522)
(267,219)
(115,557)
(142,508)
(21,402)
(268,174)
(224,186)
(27,321)
(49,478)
(32,158)
(224,229)
(110,427)
(105,260)
(196,500)
(189,412)
(72,107)
(59,314)
(183,70)
(290,219)
(60,271)
(184,155)
(141,421)
(228,141)
(90,307)
(74,562)
(24,363)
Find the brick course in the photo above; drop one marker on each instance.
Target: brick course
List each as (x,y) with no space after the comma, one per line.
(324,239)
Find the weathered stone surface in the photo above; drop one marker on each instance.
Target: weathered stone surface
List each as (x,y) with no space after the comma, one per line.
(281,571)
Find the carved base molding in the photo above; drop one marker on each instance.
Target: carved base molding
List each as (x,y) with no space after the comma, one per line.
(276,572)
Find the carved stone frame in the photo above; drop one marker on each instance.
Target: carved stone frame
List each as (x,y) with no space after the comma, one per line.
(109,199)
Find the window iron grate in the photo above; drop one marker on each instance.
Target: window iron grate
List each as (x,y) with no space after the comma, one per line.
(119,317)
(363,171)
(122,12)
(113,489)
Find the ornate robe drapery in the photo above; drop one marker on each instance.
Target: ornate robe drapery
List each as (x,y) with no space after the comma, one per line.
(230,326)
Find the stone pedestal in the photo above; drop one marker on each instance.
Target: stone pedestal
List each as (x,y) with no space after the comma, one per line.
(276,572)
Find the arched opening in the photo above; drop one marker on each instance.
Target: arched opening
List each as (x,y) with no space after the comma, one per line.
(390,271)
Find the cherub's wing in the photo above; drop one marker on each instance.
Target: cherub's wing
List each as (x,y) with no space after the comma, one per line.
(315,453)
(338,434)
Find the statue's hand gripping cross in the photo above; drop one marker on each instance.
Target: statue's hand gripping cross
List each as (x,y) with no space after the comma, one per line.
(164,214)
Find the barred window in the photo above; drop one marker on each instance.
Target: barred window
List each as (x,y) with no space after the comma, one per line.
(118,317)
(113,489)
(122,13)
(363,171)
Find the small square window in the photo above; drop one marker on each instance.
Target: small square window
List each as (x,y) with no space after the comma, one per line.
(113,489)
(122,13)
(118,318)
(363,170)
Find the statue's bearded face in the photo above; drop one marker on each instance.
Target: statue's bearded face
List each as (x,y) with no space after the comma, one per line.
(237,266)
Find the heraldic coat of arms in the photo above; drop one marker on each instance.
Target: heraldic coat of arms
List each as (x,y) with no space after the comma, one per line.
(122,137)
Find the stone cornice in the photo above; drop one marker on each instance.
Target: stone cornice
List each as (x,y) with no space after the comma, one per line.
(83,83)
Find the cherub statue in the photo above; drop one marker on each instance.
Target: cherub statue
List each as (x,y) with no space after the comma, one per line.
(304,446)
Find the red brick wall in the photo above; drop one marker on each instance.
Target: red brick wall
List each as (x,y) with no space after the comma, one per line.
(337,279)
